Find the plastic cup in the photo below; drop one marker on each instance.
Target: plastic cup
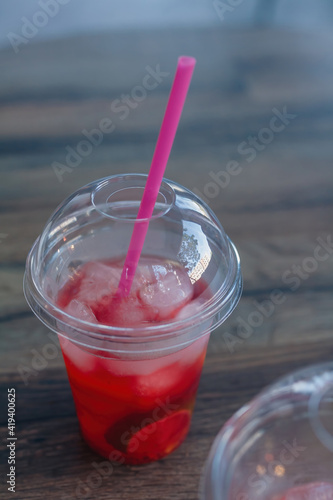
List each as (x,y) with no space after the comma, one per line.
(279,446)
(134,386)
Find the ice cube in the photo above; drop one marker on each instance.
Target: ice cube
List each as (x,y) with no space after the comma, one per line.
(160,384)
(98,280)
(81,311)
(145,274)
(170,291)
(82,359)
(189,310)
(129,312)
(123,312)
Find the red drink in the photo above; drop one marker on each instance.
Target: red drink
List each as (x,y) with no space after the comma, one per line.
(311,491)
(133,363)
(135,410)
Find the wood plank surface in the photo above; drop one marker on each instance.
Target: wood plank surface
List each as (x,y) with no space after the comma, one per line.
(277,209)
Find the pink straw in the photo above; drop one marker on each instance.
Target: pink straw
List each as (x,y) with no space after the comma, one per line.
(162,151)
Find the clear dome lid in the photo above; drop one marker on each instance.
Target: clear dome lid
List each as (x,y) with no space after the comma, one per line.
(95,224)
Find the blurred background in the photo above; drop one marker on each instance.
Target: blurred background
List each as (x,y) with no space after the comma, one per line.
(83,89)
(86,16)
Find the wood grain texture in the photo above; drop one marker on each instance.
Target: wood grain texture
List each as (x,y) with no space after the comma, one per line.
(274,209)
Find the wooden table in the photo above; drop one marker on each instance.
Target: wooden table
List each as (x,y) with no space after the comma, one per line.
(274,208)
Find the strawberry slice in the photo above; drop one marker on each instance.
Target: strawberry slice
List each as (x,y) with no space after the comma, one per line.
(145,443)
(311,491)
(160,438)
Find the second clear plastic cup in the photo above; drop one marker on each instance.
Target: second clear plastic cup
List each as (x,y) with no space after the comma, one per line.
(279,446)
(134,366)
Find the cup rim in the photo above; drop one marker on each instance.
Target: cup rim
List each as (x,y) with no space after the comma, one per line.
(220,299)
